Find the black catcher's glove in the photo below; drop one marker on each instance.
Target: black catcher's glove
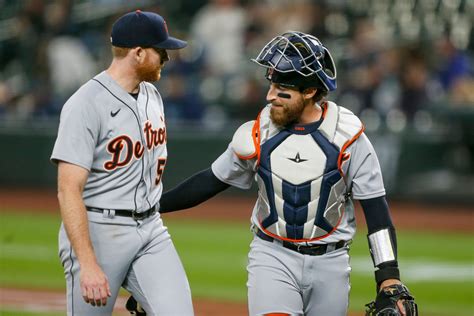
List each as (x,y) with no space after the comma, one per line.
(134,308)
(386,302)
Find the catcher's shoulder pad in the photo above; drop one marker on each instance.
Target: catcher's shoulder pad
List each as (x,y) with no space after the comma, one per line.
(243,142)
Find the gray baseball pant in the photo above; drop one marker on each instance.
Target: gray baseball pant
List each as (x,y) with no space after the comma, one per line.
(136,255)
(281,280)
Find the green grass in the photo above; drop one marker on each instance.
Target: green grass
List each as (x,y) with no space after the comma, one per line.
(214,255)
(28,251)
(438,268)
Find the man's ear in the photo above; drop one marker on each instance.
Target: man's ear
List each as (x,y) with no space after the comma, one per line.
(309,93)
(138,54)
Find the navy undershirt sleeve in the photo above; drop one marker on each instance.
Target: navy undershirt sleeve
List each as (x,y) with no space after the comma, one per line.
(192,191)
(377,216)
(376,213)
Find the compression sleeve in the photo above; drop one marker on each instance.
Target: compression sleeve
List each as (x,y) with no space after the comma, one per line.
(192,191)
(376,213)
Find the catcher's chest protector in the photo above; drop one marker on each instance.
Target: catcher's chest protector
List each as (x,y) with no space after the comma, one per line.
(302,190)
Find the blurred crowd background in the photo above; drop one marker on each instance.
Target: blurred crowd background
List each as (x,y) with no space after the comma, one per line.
(402,65)
(395,58)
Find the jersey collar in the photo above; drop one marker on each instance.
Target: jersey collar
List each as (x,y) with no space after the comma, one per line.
(303,129)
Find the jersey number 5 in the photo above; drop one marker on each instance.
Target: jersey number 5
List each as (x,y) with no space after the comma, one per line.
(160,169)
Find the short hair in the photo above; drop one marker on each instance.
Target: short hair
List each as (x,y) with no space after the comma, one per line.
(320,94)
(120,52)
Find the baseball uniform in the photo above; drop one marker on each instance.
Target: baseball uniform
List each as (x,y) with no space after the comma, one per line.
(122,143)
(305,175)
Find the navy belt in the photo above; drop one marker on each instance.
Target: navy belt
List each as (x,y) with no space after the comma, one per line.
(127,213)
(311,250)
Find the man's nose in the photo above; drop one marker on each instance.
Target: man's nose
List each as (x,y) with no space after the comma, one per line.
(271,94)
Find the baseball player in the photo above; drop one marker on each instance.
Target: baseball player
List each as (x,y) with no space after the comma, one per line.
(310,158)
(111,153)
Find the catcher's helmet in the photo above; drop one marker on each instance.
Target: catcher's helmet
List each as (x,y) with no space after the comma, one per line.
(299,60)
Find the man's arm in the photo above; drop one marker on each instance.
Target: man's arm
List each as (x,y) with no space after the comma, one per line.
(384,251)
(379,225)
(71,181)
(192,191)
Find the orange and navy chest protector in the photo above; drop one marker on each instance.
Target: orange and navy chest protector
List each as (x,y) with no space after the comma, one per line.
(302,186)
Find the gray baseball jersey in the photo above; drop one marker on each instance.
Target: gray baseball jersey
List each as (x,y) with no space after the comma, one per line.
(306,175)
(122,143)
(120,140)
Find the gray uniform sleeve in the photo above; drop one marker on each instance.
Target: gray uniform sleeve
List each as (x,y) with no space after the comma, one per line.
(234,171)
(364,173)
(77,134)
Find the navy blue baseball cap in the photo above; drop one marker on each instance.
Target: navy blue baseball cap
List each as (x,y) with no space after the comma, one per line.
(144,29)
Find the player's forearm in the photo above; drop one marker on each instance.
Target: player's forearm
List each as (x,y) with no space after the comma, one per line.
(192,191)
(382,239)
(74,216)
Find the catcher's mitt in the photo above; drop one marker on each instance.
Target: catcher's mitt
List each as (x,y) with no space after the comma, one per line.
(134,308)
(385,303)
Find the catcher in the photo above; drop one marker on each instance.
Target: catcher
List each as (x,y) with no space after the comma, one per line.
(310,159)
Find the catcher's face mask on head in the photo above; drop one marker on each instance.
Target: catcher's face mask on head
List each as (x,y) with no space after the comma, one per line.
(300,60)
(291,80)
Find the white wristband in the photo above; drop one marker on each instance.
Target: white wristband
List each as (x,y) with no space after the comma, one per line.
(381,246)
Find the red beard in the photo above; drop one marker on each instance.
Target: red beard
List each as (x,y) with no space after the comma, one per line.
(285,115)
(148,72)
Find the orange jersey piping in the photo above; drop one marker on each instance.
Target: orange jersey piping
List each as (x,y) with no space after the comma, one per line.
(342,154)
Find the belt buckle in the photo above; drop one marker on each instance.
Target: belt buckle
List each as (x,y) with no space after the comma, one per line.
(138,216)
(314,250)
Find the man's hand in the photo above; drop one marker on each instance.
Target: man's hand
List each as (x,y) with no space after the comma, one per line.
(389,282)
(94,285)
(392,299)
